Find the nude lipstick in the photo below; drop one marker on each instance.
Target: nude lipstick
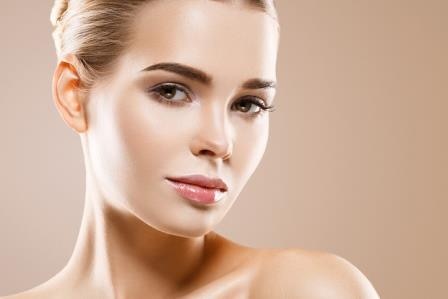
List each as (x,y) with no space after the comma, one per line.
(199,188)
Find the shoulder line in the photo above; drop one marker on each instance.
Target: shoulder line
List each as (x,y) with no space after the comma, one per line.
(299,273)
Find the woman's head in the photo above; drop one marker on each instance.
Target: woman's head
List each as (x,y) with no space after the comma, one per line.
(164,88)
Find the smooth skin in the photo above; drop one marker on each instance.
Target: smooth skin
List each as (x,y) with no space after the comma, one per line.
(138,237)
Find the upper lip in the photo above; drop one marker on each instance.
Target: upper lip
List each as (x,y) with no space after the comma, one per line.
(202,181)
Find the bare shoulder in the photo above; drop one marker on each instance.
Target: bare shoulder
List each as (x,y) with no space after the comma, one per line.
(298,273)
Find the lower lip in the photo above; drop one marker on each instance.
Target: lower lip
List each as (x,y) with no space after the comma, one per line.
(197,194)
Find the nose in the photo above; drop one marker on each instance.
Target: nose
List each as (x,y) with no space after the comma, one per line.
(213,137)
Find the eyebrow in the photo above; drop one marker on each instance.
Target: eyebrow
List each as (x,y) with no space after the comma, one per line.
(204,78)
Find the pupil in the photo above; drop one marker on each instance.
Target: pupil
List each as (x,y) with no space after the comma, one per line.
(246,107)
(168,91)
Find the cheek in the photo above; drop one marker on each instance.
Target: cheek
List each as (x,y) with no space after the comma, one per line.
(249,148)
(148,134)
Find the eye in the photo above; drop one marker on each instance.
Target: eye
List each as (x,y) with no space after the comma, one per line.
(171,93)
(252,106)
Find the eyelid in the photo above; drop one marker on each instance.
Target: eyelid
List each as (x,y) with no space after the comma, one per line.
(187,90)
(178,85)
(254,99)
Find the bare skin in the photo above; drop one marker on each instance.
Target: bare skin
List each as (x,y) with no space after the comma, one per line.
(138,238)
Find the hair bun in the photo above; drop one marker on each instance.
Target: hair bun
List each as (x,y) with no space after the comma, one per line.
(58,10)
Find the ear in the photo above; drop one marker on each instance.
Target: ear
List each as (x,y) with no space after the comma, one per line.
(67,96)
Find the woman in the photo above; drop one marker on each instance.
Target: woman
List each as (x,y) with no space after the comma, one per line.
(171,100)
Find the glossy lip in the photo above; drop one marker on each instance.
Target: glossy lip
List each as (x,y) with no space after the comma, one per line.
(197,195)
(202,181)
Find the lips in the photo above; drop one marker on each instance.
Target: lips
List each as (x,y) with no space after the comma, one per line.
(199,189)
(202,181)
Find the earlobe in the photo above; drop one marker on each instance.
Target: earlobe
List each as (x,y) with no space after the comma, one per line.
(67,96)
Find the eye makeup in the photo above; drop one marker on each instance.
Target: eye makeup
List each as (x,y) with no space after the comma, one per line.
(165,92)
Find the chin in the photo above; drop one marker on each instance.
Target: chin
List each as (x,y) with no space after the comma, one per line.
(186,226)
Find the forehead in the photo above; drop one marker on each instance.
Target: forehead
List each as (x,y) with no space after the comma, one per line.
(228,41)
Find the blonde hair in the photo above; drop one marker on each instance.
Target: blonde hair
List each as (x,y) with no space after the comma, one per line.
(95,31)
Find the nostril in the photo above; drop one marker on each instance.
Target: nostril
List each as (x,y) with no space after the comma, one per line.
(207,152)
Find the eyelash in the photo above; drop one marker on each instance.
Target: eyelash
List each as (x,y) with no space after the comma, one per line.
(179,87)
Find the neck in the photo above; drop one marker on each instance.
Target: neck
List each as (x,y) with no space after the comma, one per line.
(120,256)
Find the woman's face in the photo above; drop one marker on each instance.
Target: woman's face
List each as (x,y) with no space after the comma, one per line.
(139,133)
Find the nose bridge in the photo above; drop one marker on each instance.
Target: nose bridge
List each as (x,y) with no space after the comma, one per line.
(214,135)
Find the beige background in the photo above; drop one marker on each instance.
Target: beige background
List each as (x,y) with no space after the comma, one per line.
(357,162)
